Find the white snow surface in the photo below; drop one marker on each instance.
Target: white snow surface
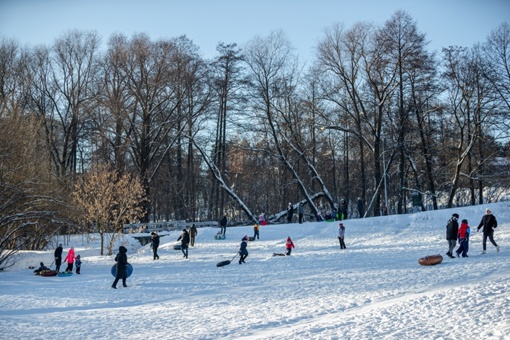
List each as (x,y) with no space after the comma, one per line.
(374,289)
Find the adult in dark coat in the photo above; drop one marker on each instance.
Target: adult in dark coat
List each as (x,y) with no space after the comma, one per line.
(452,230)
(121,260)
(223,225)
(58,257)
(361,207)
(192,233)
(488,223)
(155,244)
(290,213)
(184,238)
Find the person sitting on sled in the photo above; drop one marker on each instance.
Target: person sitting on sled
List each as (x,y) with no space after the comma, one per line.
(41,268)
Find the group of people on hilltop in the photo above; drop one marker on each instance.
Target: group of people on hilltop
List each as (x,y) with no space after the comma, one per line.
(461,234)
(71,259)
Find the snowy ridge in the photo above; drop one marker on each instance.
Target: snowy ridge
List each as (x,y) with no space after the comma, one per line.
(372,290)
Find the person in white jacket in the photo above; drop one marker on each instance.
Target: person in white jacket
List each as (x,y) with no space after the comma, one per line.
(341,234)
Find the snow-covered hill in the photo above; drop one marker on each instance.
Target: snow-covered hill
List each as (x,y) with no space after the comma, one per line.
(374,289)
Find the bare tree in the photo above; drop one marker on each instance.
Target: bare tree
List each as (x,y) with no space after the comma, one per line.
(109,200)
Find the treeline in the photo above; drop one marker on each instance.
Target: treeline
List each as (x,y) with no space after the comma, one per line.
(375,116)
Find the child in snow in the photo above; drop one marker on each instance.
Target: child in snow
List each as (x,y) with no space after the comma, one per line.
(41,268)
(70,260)
(78,264)
(122,263)
(256,229)
(341,234)
(463,235)
(289,245)
(242,250)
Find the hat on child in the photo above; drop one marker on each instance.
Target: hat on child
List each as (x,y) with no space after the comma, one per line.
(464,221)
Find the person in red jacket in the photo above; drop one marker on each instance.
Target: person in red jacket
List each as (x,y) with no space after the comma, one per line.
(289,245)
(463,235)
(70,260)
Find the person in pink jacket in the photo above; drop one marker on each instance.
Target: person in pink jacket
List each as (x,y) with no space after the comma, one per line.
(70,260)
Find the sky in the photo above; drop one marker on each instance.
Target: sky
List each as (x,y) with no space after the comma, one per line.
(208,22)
(374,289)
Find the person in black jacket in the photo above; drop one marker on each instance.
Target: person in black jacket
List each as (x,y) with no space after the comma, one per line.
(58,257)
(243,252)
(155,244)
(223,225)
(184,238)
(488,223)
(452,230)
(121,260)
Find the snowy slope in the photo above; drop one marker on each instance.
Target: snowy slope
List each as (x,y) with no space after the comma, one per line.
(374,289)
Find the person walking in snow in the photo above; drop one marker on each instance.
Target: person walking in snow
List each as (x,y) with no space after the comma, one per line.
(58,257)
(289,245)
(121,260)
(452,230)
(341,235)
(155,245)
(78,264)
(290,213)
(243,251)
(193,232)
(463,235)
(489,224)
(70,260)
(184,238)
(223,225)
(256,231)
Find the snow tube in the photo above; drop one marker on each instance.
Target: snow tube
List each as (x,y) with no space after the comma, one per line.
(430,260)
(278,254)
(62,274)
(48,273)
(219,237)
(129,270)
(177,247)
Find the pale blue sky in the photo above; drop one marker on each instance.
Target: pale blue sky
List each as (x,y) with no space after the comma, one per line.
(207,22)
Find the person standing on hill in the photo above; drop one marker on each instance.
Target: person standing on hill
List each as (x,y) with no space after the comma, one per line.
(463,239)
(243,251)
(290,213)
(361,207)
(184,238)
(193,232)
(289,245)
(300,213)
(70,260)
(452,229)
(223,225)
(489,224)
(58,257)
(155,244)
(341,235)
(78,264)
(121,260)
(256,231)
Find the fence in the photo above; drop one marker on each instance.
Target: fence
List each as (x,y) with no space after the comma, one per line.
(164,226)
